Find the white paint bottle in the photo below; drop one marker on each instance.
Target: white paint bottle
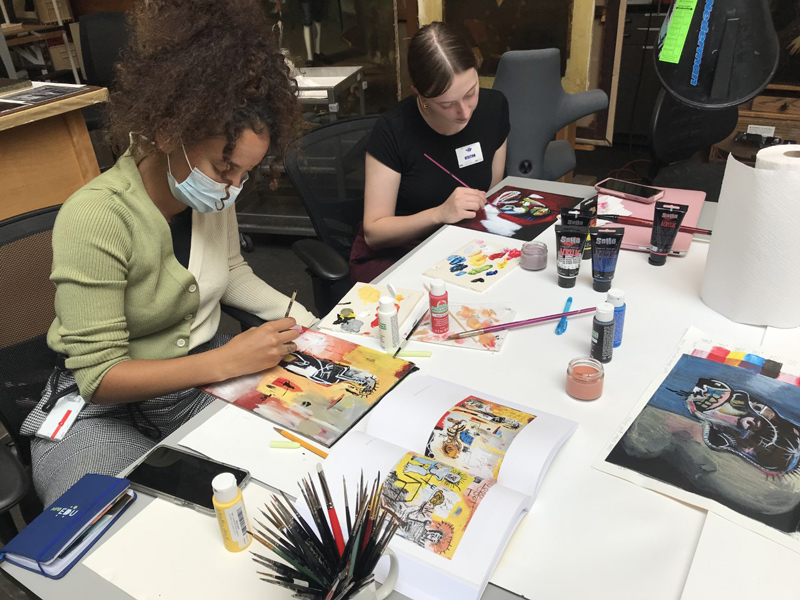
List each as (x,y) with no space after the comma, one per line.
(388,328)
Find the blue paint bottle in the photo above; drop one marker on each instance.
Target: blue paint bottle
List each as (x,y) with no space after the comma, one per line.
(616,297)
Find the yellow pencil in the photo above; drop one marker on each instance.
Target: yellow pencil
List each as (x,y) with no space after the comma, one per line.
(302,442)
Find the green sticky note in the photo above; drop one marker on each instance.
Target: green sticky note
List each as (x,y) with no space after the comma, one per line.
(287,445)
(677,30)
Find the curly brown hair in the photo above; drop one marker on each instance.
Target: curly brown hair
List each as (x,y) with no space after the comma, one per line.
(195,69)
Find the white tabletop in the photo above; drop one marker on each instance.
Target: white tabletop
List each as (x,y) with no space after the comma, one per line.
(588,534)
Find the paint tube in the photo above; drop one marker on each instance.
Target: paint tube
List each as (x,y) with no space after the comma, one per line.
(569,244)
(588,207)
(667,219)
(606,242)
(576,218)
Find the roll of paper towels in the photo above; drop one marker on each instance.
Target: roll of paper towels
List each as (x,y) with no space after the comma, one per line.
(753,269)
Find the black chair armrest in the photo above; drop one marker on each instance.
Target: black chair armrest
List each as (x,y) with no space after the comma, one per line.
(322,260)
(246,319)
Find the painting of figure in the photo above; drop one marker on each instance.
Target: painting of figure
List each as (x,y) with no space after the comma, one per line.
(723,433)
(475,435)
(519,213)
(320,390)
(433,501)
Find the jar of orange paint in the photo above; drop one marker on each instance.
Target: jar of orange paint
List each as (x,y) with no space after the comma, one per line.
(585,378)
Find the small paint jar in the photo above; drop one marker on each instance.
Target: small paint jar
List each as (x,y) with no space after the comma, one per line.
(585,378)
(534,256)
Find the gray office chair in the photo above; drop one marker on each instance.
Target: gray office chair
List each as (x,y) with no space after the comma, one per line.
(539,108)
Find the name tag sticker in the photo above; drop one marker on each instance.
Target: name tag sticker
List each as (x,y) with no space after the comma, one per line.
(469,155)
(61,417)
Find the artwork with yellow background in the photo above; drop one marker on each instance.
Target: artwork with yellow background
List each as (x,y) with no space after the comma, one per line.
(475,435)
(320,390)
(433,501)
(357,312)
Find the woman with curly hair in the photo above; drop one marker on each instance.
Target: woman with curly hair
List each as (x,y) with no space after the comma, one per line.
(144,254)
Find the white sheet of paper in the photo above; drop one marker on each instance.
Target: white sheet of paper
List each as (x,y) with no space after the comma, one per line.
(170,551)
(723,541)
(783,342)
(280,468)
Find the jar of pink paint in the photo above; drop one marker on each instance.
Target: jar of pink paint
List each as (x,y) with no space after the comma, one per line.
(534,256)
(585,378)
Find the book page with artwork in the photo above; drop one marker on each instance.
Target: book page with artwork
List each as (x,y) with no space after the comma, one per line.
(454,525)
(479,433)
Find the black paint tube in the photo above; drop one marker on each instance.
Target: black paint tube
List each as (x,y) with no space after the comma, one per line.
(576,218)
(606,242)
(667,219)
(569,248)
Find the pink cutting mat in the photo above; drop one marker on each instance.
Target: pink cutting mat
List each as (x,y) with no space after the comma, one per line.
(638,238)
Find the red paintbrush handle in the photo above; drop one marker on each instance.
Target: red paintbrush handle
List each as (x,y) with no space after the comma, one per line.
(337,530)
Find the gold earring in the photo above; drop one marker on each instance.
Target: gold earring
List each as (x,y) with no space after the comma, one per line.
(424,105)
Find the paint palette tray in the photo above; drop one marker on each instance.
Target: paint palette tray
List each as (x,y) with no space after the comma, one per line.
(357,312)
(476,265)
(465,317)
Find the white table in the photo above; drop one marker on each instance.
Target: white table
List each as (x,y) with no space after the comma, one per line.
(588,534)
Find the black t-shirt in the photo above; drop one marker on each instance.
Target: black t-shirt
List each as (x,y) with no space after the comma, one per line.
(401,138)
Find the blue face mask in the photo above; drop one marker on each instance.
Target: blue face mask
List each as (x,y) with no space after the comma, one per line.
(200,192)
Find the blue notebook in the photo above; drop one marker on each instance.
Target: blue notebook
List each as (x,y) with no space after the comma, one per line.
(57,538)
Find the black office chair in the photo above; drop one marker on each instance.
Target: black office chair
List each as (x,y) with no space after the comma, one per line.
(27,301)
(677,133)
(103,38)
(538,108)
(327,169)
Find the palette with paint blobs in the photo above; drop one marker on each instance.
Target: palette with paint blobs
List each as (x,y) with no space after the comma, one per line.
(476,265)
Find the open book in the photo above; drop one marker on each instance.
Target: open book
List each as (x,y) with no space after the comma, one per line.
(459,469)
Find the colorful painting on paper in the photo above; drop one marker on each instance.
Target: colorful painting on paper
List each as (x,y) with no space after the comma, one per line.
(357,312)
(725,433)
(519,213)
(320,390)
(476,265)
(475,435)
(433,501)
(465,317)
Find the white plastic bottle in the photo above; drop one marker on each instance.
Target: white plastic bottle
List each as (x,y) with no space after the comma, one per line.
(231,515)
(388,328)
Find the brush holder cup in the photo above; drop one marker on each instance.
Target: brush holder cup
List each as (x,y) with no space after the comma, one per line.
(373,592)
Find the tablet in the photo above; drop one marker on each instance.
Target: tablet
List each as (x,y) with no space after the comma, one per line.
(181,477)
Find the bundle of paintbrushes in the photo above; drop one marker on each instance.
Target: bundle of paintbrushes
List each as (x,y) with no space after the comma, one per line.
(319,560)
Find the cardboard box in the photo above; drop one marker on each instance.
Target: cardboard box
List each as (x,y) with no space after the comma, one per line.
(58,54)
(44,11)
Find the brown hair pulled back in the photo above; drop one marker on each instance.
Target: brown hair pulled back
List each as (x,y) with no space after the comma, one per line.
(195,69)
(436,54)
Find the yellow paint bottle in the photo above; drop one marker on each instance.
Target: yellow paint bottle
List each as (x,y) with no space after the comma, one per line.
(231,515)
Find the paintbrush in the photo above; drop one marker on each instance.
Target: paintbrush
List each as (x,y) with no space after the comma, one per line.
(281,568)
(336,528)
(291,301)
(304,544)
(516,324)
(302,591)
(319,517)
(295,564)
(347,507)
(628,220)
(410,333)
(446,171)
